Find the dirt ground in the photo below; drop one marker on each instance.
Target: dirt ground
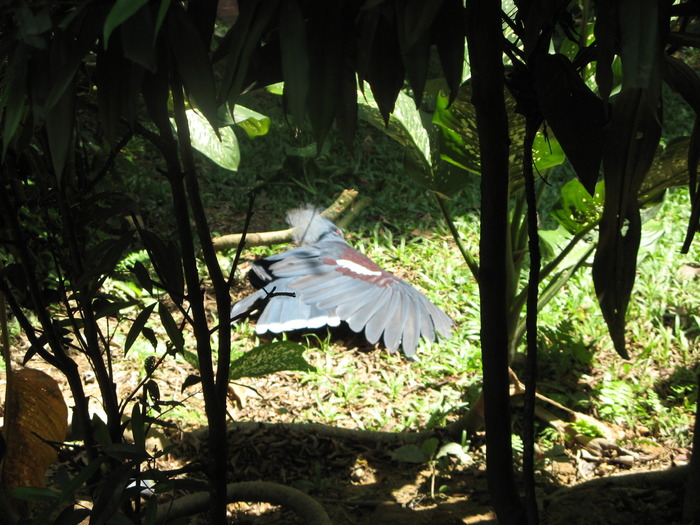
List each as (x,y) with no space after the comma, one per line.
(356,478)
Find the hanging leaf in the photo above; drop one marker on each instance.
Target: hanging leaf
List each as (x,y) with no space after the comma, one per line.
(194,64)
(577,210)
(35,412)
(326,67)
(221,148)
(137,326)
(295,59)
(59,130)
(575,114)
(633,138)
(385,82)
(14,93)
(121,11)
(171,327)
(268,359)
(449,36)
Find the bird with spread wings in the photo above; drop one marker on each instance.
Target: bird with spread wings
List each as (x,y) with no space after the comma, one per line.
(325,281)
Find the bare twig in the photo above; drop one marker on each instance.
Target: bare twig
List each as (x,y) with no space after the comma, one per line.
(226,242)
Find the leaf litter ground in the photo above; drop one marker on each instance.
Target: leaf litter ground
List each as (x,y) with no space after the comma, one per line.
(356,477)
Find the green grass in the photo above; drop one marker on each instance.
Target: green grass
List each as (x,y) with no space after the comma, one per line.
(402,230)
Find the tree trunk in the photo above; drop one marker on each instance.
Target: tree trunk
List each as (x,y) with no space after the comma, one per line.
(484,38)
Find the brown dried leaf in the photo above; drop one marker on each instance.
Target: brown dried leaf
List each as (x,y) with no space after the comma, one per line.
(35,410)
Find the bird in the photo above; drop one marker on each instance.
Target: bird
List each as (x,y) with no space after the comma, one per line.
(324,281)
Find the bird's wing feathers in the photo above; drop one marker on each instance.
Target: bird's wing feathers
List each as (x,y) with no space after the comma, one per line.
(329,281)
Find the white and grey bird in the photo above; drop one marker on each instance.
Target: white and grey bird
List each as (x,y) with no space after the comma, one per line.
(325,281)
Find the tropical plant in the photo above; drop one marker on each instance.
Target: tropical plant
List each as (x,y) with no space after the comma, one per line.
(137,65)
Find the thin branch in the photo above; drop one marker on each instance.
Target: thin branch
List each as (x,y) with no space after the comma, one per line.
(473,265)
(226,242)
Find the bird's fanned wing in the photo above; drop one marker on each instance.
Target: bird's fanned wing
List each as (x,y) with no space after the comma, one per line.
(327,281)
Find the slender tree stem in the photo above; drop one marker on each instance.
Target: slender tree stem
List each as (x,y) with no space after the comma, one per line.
(531,324)
(484,38)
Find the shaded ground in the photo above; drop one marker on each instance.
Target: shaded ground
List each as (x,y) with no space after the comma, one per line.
(356,478)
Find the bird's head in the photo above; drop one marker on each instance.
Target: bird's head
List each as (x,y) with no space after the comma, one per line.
(309,225)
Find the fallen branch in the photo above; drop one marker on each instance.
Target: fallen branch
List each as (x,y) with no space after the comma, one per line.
(367,437)
(333,211)
(293,499)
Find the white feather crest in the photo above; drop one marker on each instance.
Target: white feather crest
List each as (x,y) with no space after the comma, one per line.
(309,225)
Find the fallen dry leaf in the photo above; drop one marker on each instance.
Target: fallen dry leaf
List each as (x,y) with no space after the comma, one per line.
(35,411)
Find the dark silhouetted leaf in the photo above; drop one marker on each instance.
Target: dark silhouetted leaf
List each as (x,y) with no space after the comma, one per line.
(37,494)
(604,31)
(189,381)
(121,11)
(194,65)
(240,43)
(59,130)
(171,327)
(138,39)
(449,37)
(138,429)
(137,326)
(142,276)
(112,486)
(325,34)
(575,114)
(167,263)
(150,337)
(632,141)
(153,391)
(13,96)
(385,82)
(295,59)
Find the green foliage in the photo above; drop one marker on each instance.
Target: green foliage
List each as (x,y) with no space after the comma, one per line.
(268,359)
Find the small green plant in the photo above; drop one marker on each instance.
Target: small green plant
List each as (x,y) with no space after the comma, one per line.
(440,459)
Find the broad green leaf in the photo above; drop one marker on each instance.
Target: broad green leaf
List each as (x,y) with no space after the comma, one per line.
(121,11)
(410,454)
(253,123)
(222,149)
(39,494)
(191,358)
(268,359)
(454,449)
(556,241)
(459,138)
(576,209)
